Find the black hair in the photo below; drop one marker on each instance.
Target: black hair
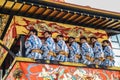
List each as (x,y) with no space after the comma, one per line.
(83,37)
(107,41)
(48,32)
(93,37)
(34,31)
(71,38)
(60,36)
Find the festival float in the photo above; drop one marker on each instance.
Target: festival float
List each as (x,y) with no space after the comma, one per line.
(19,16)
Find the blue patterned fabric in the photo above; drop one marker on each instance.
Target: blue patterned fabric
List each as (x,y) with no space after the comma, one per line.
(33,42)
(50,44)
(61,46)
(45,50)
(108,52)
(86,50)
(98,52)
(75,49)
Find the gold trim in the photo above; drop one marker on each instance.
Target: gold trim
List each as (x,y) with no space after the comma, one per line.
(21,59)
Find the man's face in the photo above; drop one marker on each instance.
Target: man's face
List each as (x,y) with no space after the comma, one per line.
(46,35)
(71,40)
(59,38)
(82,40)
(93,40)
(104,43)
(31,33)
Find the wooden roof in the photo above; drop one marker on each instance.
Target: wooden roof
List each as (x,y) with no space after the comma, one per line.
(64,13)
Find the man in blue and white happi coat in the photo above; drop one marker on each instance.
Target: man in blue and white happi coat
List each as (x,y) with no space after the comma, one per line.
(61,49)
(108,54)
(33,45)
(44,49)
(74,50)
(97,50)
(50,44)
(86,52)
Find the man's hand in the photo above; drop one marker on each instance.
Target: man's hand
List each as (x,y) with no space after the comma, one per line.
(78,56)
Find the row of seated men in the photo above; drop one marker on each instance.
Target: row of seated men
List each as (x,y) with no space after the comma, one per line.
(69,51)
